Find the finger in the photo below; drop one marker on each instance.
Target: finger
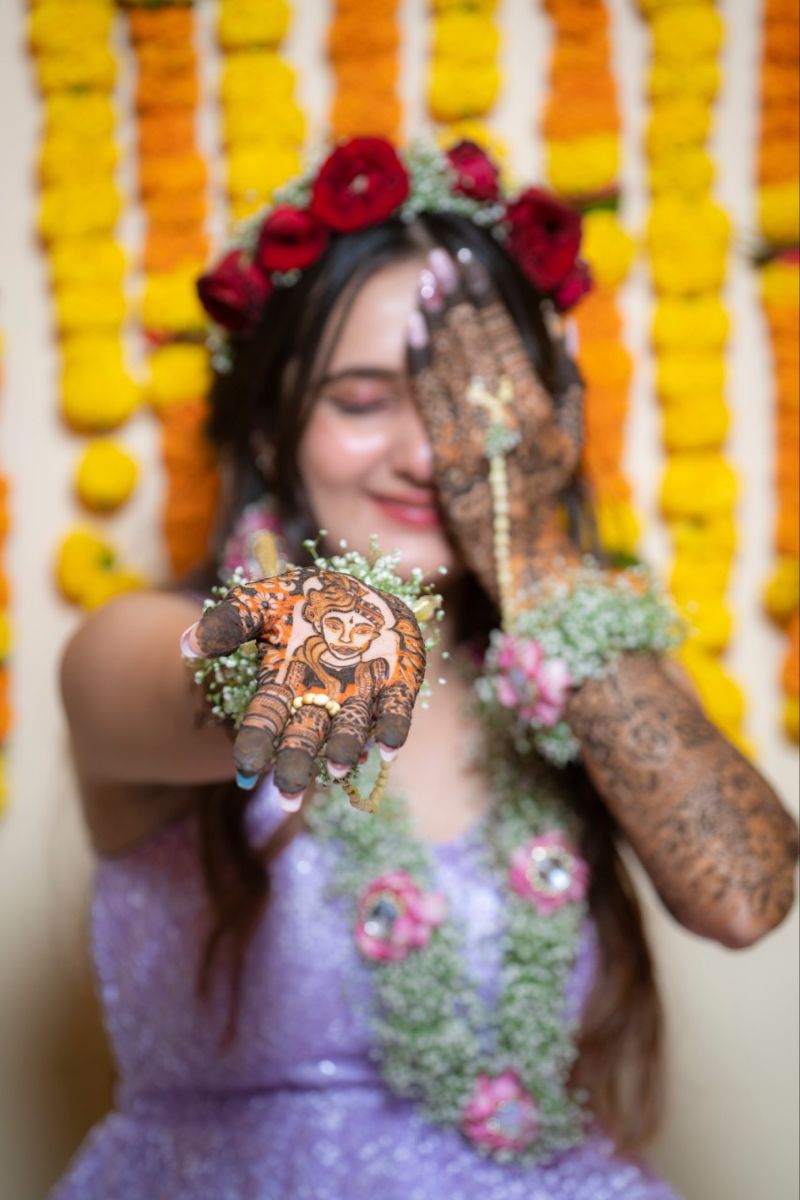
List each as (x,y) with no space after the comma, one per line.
(349,732)
(447,354)
(260,731)
(395,701)
(241,616)
(393,710)
(462,318)
(300,747)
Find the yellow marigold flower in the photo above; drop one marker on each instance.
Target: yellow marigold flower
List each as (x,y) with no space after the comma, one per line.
(255,73)
(484,6)
(577,166)
(5,634)
(88,115)
(465,37)
(252,172)
(455,92)
(87,572)
(242,208)
(618,526)
(270,124)
(709,618)
(698,79)
(61,158)
(699,577)
(82,309)
(84,65)
(77,209)
(719,693)
(87,262)
(704,537)
(694,323)
(688,171)
(170,304)
(52,26)
(178,374)
(782,592)
(791,718)
(607,247)
(245,23)
(779,212)
(698,485)
(780,283)
(685,375)
(685,274)
(97,392)
(474,131)
(106,475)
(680,121)
(687,34)
(696,423)
(677,224)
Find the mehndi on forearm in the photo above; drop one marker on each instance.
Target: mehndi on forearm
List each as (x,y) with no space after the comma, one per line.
(713,836)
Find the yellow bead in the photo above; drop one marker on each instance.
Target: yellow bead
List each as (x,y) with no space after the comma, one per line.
(320,701)
(297,702)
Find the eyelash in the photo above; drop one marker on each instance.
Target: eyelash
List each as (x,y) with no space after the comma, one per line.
(358,409)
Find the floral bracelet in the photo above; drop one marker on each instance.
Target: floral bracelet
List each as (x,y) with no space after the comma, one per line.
(577,627)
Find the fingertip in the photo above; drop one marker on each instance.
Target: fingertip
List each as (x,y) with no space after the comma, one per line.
(190,646)
(246,782)
(291,803)
(388,753)
(338,770)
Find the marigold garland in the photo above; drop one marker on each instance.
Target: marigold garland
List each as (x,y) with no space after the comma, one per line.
(79,205)
(688,238)
(779,215)
(6,634)
(173,178)
(363,42)
(464,76)
(581,127)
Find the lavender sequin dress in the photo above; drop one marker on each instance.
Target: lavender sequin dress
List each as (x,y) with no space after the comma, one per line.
(294,1110)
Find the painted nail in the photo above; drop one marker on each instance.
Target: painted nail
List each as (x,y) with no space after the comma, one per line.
(188,643)
(337,770)
(246,782)
(429,293)
(474,274)
(417,331)
(571,337)
(291,804)
(387,753)
(444,269)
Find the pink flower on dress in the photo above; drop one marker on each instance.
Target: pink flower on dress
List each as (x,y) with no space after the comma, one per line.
(500,1114)
(395,917)
(549,872)
(238,551)
(528,682)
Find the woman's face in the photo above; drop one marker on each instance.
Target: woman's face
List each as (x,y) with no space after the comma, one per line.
(364,457)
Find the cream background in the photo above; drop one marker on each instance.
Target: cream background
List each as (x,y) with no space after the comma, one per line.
(731,1129)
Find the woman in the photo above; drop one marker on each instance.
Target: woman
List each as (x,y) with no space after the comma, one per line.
(452,997)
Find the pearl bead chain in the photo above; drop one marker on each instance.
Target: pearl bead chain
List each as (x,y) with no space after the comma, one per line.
(368,804)
(495,406)
(319,699)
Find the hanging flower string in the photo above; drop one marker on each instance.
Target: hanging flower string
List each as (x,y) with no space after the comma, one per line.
(173,180)
(581,126)
(363,43)
(688,240)
(779,264)
(79,207)
(464,77)
(5,619)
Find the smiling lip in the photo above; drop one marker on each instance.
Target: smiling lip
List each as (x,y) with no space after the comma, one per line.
(408,511)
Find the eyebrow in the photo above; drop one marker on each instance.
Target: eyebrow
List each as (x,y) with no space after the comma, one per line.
(385,373)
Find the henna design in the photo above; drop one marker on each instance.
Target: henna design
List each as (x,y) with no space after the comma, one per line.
(325,635)
(715,839)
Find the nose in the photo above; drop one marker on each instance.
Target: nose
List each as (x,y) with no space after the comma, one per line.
(413,455)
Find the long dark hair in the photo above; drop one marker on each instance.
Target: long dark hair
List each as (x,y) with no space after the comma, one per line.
(269,393)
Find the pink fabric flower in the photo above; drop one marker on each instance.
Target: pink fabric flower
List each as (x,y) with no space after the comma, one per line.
(395,917)
(549,872)
(500,1115)
(528,682)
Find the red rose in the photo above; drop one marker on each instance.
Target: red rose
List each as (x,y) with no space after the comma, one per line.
(361,183)
(477,176)
(573,288)
(290,239)
(234,292)
(544,238)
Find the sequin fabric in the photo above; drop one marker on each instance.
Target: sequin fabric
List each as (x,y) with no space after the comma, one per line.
(294,1109)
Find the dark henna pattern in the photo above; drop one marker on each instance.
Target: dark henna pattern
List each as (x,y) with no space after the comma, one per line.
(322,635)
(715,839)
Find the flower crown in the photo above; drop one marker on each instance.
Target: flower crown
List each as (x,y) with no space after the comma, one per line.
(364,181)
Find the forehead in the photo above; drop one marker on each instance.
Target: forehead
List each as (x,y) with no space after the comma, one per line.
(344,616)
(374,329)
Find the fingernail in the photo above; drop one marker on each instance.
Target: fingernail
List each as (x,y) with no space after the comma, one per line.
(246,782)
(571,337)
(474,274)
(188,643)
(291,804)
(444,269)
(387,753)
(362,758)
(417,331)
(338,770)
(429,294)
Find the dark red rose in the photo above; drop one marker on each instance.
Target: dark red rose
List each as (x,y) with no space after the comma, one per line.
(478,177)
(573,288)
(361,183)
(290,239)
(544,238)
(234,292)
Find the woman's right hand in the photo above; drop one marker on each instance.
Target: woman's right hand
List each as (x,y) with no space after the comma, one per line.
(340,662)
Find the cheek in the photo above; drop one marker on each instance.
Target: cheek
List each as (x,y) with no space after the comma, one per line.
(336,451)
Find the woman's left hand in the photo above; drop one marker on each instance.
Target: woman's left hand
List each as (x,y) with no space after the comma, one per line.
(474,381)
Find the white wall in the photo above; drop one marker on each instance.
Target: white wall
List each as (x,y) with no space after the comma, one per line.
(731,1128)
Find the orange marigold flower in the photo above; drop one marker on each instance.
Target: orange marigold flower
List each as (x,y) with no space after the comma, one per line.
(168,209)
(165,249)
(172,173)
(578,117)
(170,132)
(384,73)
(354,36)
(156,90)
(368,114)
(173,24)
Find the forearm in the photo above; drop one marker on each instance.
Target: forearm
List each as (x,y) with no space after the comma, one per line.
(716,841)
